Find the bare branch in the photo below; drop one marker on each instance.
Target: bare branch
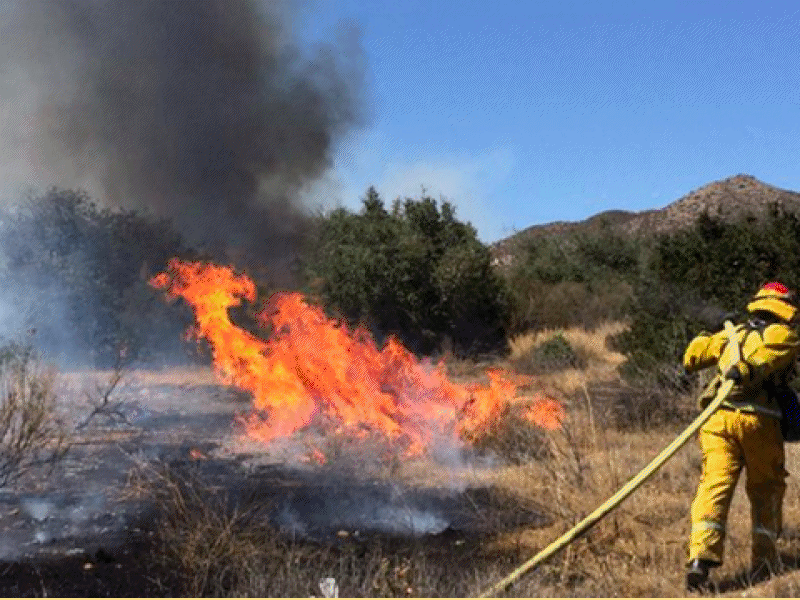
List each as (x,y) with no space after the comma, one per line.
(102,405)
(31,436)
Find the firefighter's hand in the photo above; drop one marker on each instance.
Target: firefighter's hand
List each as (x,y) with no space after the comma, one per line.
(734,374)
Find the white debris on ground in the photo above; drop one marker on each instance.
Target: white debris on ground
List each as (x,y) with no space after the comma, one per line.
(328,587)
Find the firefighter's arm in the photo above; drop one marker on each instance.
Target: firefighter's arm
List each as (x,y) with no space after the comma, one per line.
(704,351)
(779,350)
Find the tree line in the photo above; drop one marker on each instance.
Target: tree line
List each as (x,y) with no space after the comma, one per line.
(77,274)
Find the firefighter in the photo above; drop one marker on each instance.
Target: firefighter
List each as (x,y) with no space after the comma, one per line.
(745,431)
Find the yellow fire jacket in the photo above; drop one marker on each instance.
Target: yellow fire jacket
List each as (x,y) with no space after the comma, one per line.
(768,358)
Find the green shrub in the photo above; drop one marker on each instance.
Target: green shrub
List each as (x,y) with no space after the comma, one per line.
(557,353)
(553,354)
(695,278)
(538,306)
(573,279)
(79,277)
(415,272)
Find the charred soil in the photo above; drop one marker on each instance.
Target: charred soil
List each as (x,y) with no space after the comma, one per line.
(163,505)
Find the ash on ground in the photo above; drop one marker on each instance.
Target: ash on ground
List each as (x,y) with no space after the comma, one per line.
(85,505)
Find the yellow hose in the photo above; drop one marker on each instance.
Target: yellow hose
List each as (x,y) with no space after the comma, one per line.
(626,490)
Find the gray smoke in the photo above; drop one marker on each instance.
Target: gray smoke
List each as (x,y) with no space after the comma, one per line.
(208,112)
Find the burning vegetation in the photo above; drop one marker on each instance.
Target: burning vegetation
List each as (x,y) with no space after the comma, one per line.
(315,369)
(174,115)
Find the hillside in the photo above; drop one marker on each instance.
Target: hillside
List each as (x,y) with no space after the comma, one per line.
(728,199)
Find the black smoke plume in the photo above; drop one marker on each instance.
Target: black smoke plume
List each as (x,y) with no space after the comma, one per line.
(208,112)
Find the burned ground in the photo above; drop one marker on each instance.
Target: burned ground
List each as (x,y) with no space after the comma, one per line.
(498,517)
(94,525)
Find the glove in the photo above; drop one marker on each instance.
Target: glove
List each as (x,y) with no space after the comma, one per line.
(696,351)
(734,374)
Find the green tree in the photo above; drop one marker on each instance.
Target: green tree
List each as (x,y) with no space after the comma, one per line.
(414,271)
(700,275)
(79,275)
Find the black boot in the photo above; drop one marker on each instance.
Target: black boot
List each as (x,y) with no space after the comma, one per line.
(697,574)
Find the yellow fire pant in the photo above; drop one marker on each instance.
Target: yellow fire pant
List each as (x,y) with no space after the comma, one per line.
(732,440)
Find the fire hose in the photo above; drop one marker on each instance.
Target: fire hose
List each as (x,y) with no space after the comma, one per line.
(601,511)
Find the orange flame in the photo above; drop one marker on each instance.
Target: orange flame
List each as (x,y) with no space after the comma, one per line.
(313,365)
(315,455)
(546,412)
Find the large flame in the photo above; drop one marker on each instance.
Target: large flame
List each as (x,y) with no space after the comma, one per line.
(313,366)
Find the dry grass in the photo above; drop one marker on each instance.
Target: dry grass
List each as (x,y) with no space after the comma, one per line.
(215,550)
(591,342)
(638,550)
(591,346)
(174,376)
(31,435)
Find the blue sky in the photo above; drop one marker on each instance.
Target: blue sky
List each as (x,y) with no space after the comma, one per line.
(529,112)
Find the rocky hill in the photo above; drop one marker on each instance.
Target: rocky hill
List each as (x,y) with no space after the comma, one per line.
(728,199)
